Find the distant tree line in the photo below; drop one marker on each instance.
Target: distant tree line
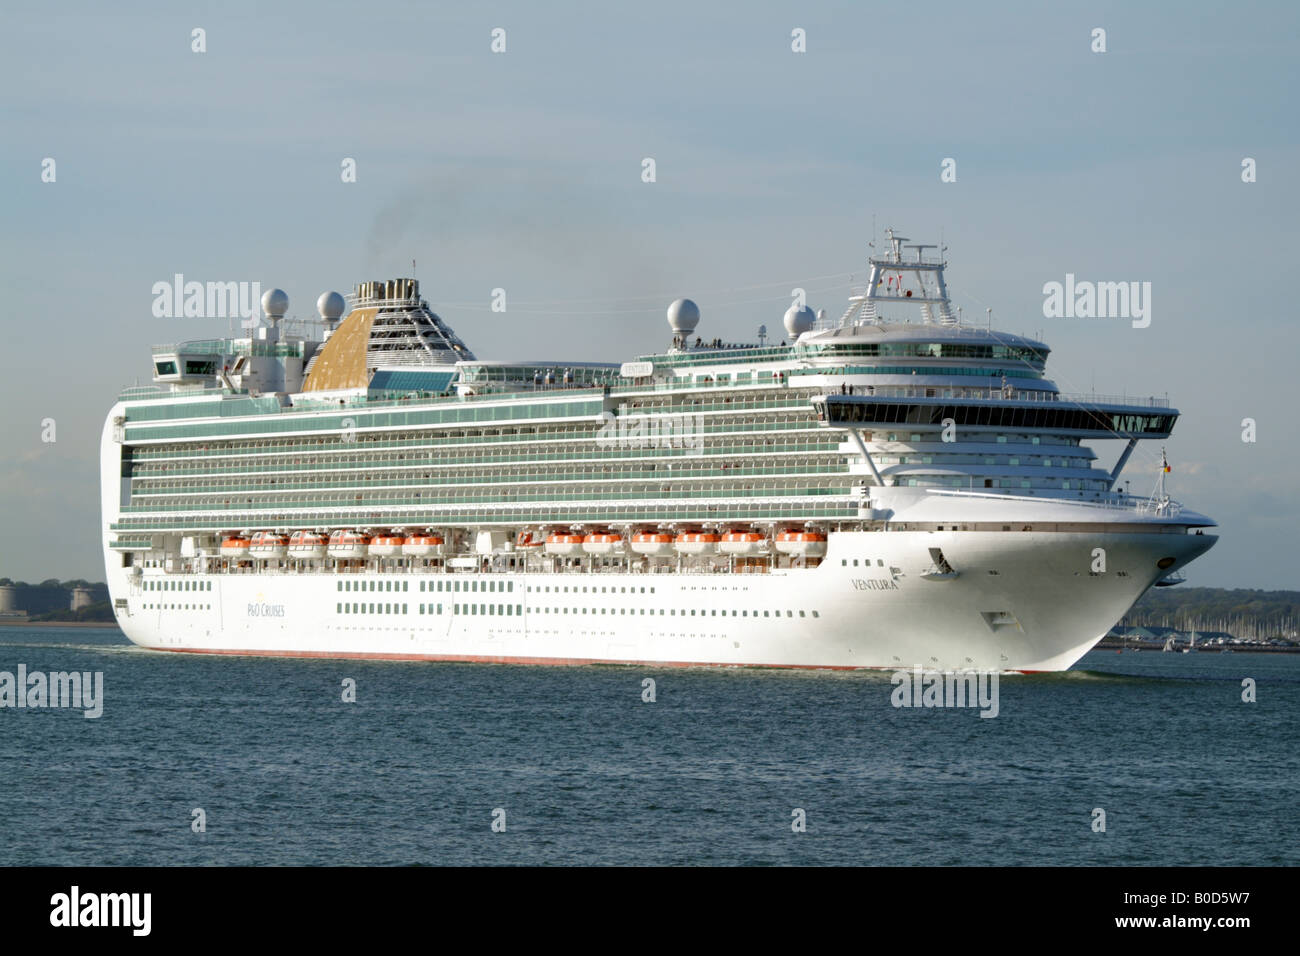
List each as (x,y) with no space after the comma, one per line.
(103,611)
(1241,612)
(53,583)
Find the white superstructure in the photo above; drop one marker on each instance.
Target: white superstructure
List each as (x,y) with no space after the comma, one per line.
(870,493)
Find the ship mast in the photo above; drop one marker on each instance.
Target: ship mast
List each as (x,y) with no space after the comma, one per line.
(886,284)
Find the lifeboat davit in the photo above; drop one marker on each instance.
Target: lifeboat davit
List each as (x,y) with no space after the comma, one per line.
(235,546)
(566,545)
(603,542)
(348,545)
(387,545)
(811,544)
(268,544)
(306,544)
(698,542)
(742,541)
(423,545)
(656,544)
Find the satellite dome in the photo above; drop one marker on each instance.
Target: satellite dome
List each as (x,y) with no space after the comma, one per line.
(683,316)
(275,303)
(330,305)
(798,320)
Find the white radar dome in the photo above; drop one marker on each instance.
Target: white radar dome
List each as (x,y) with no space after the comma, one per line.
(683,315)
(798,320)
(275,303)
(330,305)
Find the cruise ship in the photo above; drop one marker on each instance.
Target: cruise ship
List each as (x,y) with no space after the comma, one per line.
(893,488)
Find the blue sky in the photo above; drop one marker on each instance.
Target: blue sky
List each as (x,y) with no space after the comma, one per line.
(522,171)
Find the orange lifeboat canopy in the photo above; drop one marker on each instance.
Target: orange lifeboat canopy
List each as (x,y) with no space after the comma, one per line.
(387,545)
(742,541)
(307,544)
(423,545)
(698,542)
(235,546)
(799,541)
(603,542)
(652,543)
(564,544)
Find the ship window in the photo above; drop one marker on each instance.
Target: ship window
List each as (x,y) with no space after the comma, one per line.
(338,608)
(405,609)
(372,609)
(421,608)
(802,614)
(439,608)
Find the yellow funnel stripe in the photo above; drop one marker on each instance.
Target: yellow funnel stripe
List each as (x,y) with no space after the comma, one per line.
(342,361)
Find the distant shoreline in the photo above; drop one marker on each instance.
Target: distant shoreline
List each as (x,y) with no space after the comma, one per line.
(1118,644)
(13,623)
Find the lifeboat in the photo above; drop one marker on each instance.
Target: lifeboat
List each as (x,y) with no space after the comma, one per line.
(742,541)
(348,545)
(566,545)
(235,546)
(604,542)
(268,544)
(387,545)
(811,544)
(423,545)
(528,541)
(656,544)
(306,544)
(698,542)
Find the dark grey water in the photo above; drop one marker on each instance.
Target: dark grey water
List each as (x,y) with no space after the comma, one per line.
(287,773)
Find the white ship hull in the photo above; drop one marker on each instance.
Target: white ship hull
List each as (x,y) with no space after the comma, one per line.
(1041,611)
